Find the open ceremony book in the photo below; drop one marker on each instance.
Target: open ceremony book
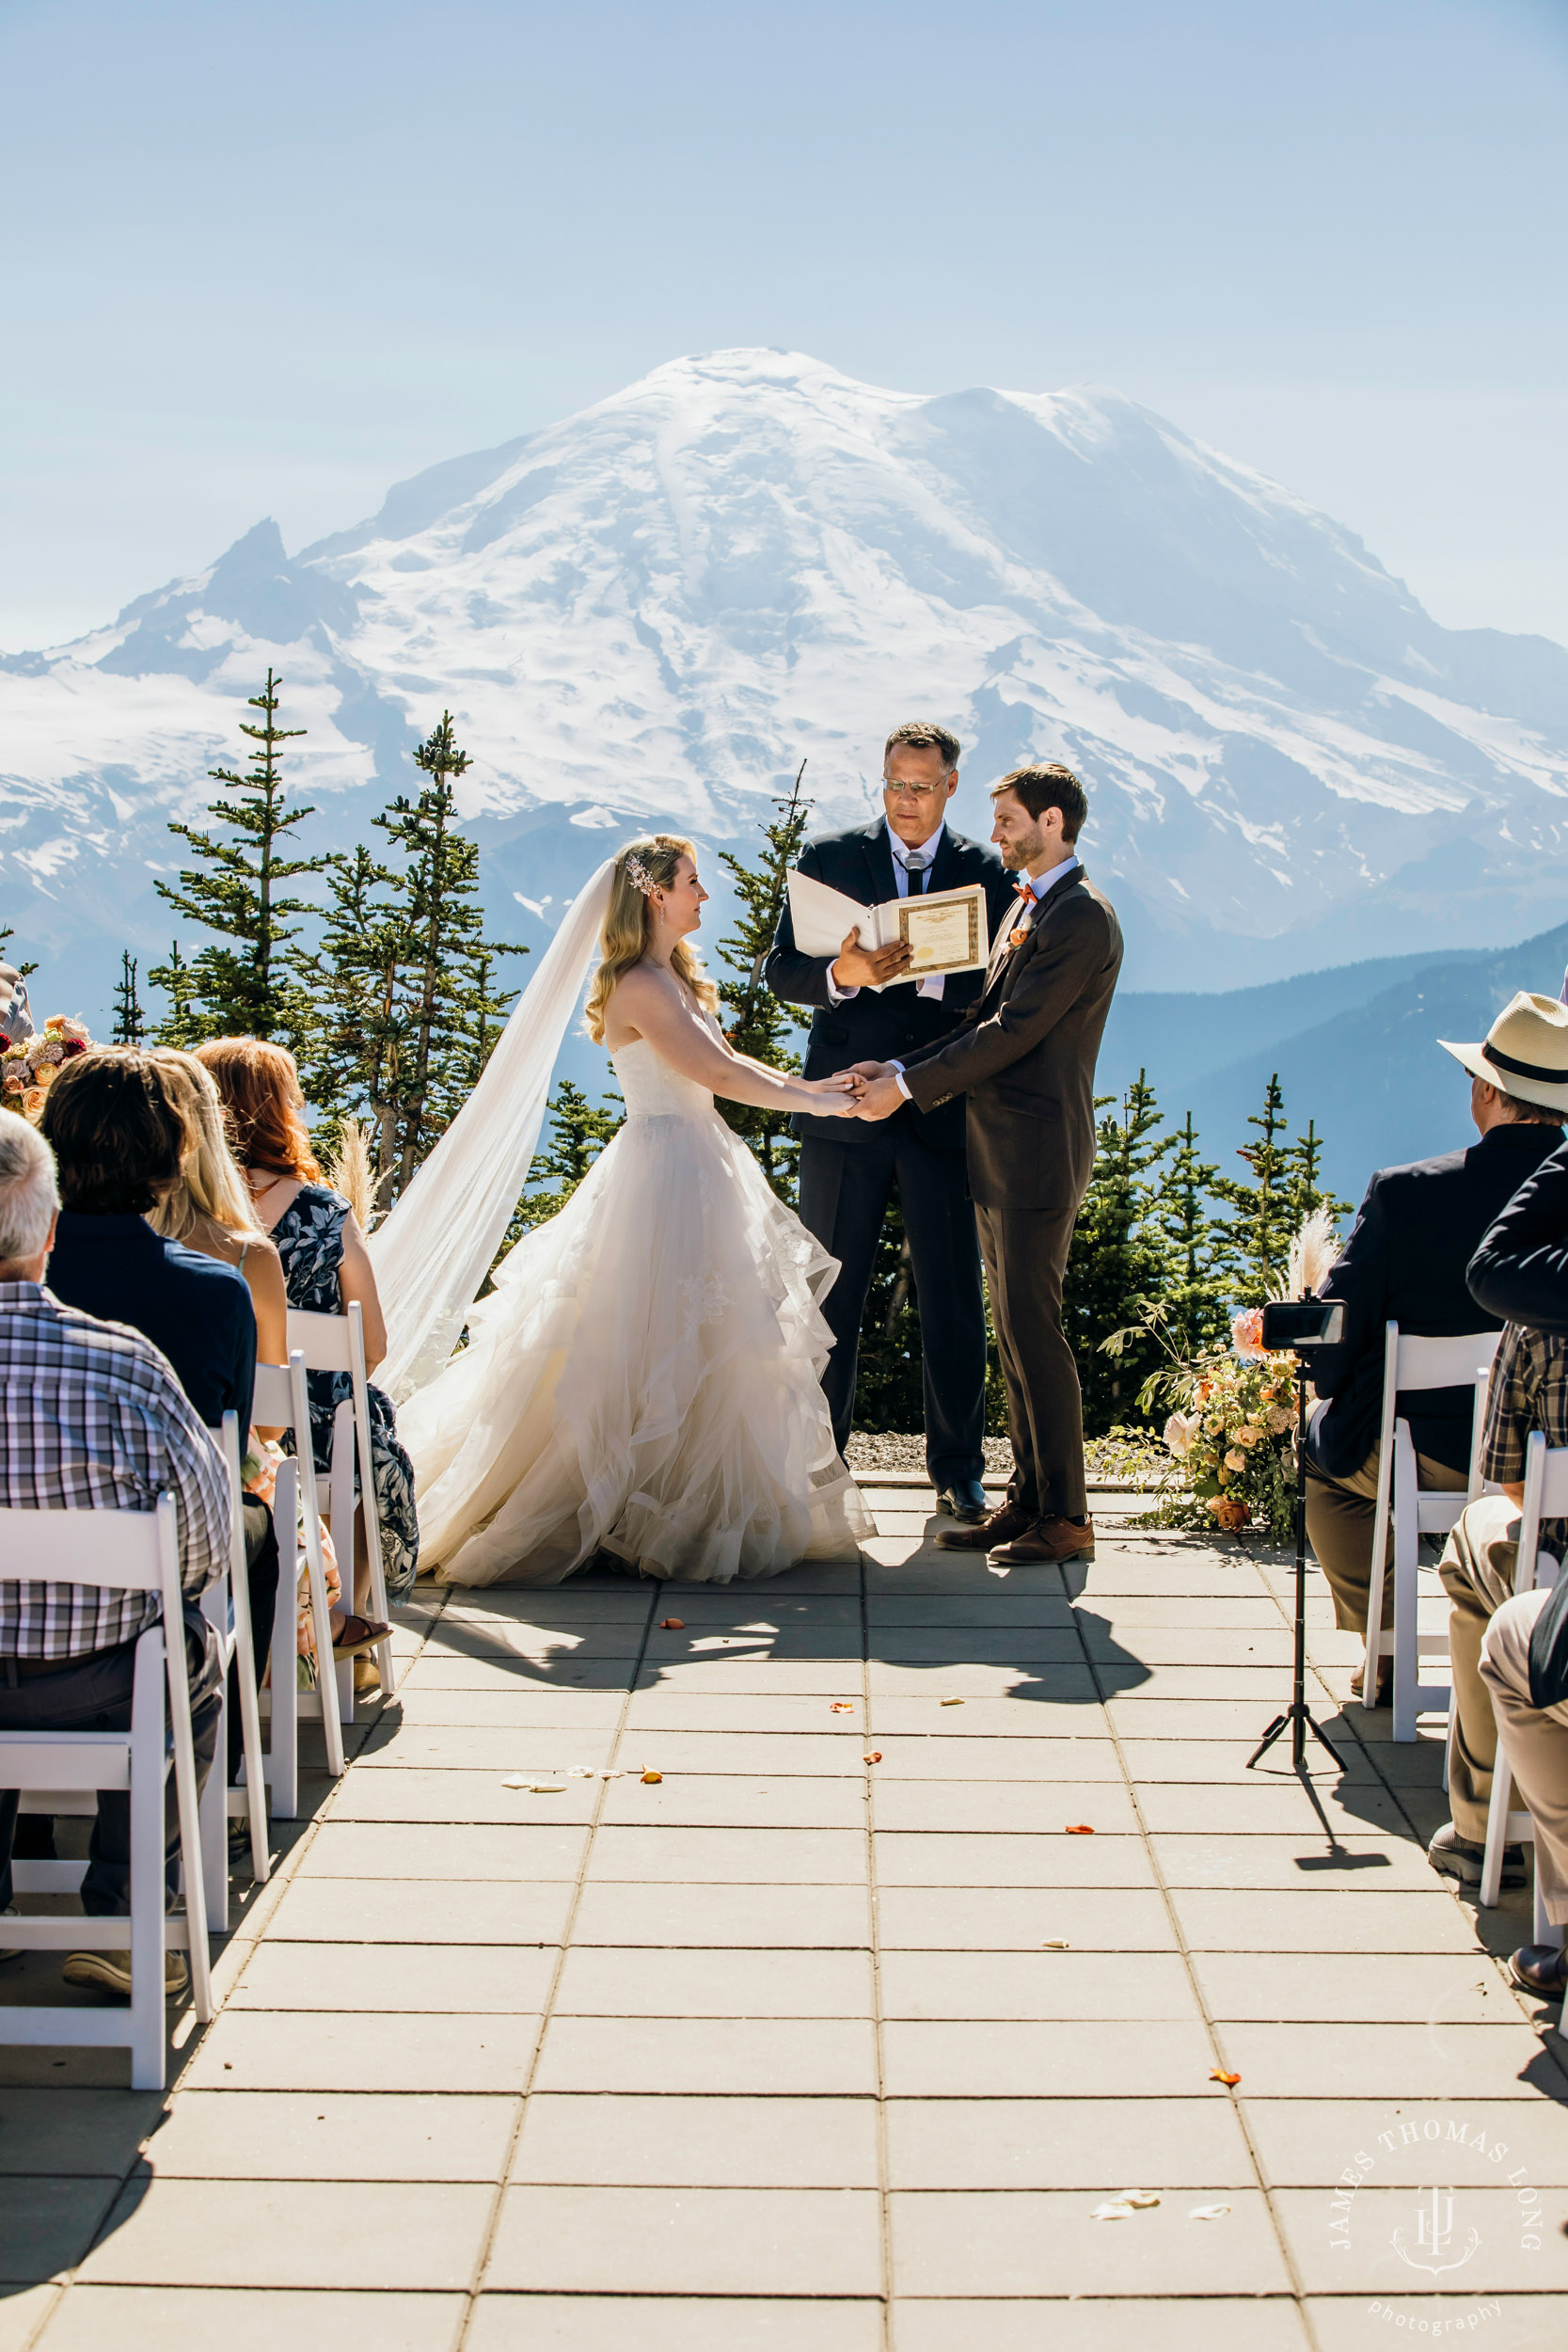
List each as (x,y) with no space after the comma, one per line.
(947,929)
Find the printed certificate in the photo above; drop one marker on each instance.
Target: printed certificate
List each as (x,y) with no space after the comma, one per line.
(948,934)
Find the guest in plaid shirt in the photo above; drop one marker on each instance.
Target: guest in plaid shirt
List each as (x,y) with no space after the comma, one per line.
(1528,1391)
(93,1420)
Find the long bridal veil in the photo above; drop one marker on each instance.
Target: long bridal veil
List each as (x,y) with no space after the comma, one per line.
(432,1252)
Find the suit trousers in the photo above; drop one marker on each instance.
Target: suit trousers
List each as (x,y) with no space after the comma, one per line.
(1341,1513)
(844,1195)
(93,1694)
(1476,1569)
(1537,1742)
(1026,1252)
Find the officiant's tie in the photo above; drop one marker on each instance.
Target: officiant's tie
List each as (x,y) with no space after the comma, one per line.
(914,866)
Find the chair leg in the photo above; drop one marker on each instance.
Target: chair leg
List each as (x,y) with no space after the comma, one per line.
(250,1724)
(149,1774)
(213,1810)
(1406,1594)
(332,1730)
(1497,1831)
(1542,1931)
(284,1744)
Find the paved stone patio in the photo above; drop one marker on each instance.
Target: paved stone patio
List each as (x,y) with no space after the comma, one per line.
(795,2050)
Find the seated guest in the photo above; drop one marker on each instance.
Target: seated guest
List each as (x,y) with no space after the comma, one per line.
(1514,1667)
(94,1420)
(119,1144)
(208,1209)
(325,1267)
(1524,1667)
(1528,1391)
(208,1206)
(1406,1262)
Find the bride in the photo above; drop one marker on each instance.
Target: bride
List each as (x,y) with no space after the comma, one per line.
(643,1379)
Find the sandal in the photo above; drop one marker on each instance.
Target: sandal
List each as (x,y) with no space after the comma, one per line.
(1541,1969)
(346,1643)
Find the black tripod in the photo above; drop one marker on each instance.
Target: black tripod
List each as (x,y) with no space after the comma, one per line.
(1298,1715)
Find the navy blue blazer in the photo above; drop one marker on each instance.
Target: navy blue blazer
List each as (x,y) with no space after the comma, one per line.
(197,1310)
(892,1023)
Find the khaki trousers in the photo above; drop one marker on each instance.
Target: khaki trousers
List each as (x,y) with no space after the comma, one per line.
(1537,1742)
(1339,1517)
(1476,1569)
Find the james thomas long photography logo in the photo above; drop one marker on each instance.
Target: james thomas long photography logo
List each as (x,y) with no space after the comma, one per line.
(1438,2217)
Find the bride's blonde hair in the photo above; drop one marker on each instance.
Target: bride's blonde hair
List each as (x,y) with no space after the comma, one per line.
(628,925)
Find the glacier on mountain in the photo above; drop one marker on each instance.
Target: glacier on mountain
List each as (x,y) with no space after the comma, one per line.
(653,610)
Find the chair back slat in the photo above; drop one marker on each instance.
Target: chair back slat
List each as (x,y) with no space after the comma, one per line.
(273,1405)
(1424,1362)
(119,1548)
(1554,1482)
(323,1339)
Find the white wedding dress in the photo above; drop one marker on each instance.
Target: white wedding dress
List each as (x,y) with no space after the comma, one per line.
(644,1378)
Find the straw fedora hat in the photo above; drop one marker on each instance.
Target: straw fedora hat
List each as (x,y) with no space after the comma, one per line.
(1524,1053)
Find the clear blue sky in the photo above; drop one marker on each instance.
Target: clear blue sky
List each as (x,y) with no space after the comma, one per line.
(267,259)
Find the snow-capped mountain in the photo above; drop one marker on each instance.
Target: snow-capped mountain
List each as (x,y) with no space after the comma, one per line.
(653,610)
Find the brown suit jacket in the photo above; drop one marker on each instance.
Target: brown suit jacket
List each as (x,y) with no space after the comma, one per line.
(1025,1054)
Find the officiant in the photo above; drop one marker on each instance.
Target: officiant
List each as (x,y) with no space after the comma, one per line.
(848,1170)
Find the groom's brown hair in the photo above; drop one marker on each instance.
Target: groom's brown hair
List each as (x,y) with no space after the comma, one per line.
(1044,787)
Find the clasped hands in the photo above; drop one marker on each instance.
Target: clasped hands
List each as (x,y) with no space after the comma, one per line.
(868,1089)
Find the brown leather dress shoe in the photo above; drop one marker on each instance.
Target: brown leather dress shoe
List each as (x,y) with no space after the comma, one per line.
(999,1528)
(1048,1539)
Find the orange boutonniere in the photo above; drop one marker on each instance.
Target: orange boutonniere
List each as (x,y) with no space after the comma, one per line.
(1015,938)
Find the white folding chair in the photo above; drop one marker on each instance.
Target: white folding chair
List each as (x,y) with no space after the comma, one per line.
(1546,1498)
(131,1551)
(283,1402)
(227,1605)
(1413,1362)
(337,1343)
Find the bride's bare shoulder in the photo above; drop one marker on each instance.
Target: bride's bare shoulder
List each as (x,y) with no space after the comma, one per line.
(640,997)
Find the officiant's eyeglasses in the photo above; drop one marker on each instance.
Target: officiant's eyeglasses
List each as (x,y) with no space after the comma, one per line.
(916,791)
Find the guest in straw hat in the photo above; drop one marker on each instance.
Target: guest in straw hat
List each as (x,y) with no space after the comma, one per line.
(1520,1271)
(1406,1262)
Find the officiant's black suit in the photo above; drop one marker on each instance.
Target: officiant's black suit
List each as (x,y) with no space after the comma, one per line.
(848,1167)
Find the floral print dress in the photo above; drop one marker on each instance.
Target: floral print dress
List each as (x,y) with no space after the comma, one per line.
(309,1238)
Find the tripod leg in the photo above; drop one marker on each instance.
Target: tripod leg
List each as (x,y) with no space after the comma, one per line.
(1268,1740)
(1325,1742)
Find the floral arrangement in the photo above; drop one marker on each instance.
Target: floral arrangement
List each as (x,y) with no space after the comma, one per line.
(29,1069)
(1233,1439)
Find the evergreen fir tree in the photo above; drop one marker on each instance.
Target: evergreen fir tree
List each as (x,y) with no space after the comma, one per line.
(24,971)
(1119,1258)
(130,1021)
(1195,1291)
(757,1022)
(247,988)
(359,1027)
(1304,1186)
(443,931)
(182,1025)
(1261,1222)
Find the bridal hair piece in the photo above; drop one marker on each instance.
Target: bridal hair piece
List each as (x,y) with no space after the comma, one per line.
(642,871)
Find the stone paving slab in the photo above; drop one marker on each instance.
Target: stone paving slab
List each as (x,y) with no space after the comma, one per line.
(832,2037)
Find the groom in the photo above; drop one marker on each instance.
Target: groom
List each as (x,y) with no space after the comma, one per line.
(847,1170)
(1023,1061)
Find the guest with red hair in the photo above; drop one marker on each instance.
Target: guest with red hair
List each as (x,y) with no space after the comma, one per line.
(326,1268)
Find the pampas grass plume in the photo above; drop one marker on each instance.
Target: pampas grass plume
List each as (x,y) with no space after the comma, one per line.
(1312,1252)
(349,1171)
